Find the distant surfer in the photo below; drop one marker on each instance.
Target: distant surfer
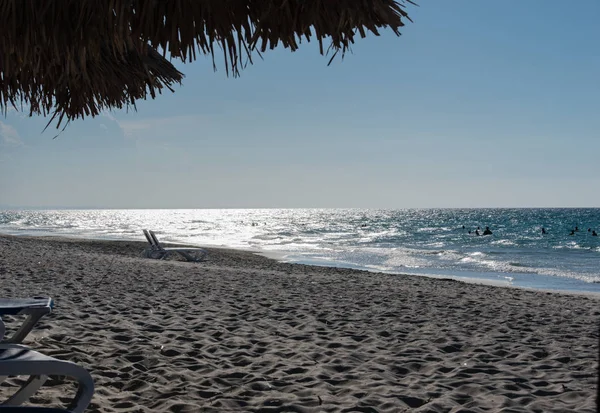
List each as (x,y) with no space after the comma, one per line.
(572,232)
(543,231)
(589,229)
(487,231)
(576,228)
(477,232)
(594,233)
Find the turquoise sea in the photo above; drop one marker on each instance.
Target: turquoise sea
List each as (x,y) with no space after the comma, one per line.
(428,242)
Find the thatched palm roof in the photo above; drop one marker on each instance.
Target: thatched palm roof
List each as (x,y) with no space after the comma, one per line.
(76,58)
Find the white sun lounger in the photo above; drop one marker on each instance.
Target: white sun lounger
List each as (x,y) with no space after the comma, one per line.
(158,251)
(34,308)
(17,360)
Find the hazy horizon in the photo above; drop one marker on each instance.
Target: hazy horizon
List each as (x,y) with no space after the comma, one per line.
(82,208)
(475,105)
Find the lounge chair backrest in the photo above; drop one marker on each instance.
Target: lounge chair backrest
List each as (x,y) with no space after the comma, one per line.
(156,243)
(148,237)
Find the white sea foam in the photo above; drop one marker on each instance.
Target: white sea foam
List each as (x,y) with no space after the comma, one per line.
(504,242)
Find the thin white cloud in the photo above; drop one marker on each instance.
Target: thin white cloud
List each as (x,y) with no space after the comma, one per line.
(110,117)
(135,128)
(9,135)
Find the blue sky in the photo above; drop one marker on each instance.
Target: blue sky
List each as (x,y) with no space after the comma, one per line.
(477,104)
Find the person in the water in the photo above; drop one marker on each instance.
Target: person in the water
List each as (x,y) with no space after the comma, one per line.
(572,232)
(594,233)
(477,232)
(576,228)
(487,231)
(543,231)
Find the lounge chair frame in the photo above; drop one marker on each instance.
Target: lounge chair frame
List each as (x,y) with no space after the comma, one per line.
(18,360)
(34,308)
(156,250)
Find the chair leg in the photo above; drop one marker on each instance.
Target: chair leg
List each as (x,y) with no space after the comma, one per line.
(164,255)
(26,391)
(85,391)
(154,254)
(26,327)
(187,256)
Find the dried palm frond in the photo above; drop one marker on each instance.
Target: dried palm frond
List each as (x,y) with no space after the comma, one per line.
(75,58)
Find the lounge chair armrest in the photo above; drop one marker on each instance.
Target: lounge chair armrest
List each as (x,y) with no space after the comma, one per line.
(16,360)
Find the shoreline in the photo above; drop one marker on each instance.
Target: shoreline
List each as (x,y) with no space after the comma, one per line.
(241,332)
(281,258)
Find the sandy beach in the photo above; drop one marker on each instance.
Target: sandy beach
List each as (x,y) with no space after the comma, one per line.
(241,332)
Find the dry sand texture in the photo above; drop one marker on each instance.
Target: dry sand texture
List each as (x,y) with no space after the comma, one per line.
(243,333)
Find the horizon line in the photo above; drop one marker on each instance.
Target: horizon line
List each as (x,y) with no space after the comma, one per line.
(80,208)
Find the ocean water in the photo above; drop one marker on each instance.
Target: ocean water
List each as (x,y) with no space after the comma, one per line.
(429,242)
